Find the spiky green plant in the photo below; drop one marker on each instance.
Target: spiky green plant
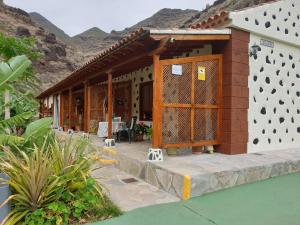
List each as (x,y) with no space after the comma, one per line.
(33,182)
(41,177)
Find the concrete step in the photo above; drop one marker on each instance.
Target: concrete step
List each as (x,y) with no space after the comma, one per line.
(129,192)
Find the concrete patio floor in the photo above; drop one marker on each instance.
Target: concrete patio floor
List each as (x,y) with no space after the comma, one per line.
(271,202)
(194,175)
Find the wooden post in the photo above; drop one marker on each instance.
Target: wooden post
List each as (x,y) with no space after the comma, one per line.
(48,108)
(86,107)
(109,100)
(41,109)
(70,108)
(61,110)
(156,111)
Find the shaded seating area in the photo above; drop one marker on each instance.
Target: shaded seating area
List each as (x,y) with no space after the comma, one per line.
(128,132)
(151,78)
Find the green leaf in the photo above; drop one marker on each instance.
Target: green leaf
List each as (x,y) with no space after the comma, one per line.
(38,128)
(12,70)
(10,140)
(16,120)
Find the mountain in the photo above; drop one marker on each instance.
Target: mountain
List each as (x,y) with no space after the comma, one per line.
(90,39)
(167,18)
(50,27)
(164,18)
(57,59)
(61,54)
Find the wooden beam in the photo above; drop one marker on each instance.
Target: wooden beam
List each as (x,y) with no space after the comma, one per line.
(157,103)
(110,102)
(192,37)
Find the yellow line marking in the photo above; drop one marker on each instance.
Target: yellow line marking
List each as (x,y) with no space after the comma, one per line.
(107,161)
(186,194)
(111,151)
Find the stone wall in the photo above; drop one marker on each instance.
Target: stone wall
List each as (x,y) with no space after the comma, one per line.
(234,135)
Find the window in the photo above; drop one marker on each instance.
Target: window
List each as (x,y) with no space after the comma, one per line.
(146,97)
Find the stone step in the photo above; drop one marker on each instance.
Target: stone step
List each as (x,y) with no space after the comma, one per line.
(129,192)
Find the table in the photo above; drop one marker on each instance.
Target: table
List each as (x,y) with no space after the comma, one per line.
(103,128)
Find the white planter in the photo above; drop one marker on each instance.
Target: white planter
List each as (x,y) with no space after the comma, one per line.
(4,194)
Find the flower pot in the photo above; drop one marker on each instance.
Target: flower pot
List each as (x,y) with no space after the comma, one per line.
(66,128)
(77,128)
(4,194)
(139,137)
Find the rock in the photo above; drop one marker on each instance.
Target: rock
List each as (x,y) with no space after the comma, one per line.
(50,55)
(58,50)
(50,38)
(40,32)
(23,32)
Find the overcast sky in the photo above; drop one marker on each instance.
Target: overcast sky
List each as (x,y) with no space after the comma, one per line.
(76,16)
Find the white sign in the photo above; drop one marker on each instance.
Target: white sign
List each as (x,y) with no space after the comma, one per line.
(177,70)
(267,43)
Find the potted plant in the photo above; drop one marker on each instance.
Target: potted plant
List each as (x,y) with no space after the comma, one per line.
(149,131)
(66,125)
(140,130)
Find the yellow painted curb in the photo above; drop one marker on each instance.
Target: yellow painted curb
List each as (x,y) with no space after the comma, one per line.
(107,161)
(186,194)
(111,151)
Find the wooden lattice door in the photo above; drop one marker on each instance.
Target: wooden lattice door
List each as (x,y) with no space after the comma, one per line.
(191,101)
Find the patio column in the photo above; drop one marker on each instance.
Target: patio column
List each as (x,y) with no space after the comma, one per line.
(86,107)
(61,110)
(48,107)
(70,108)
(109,100)
(156,114)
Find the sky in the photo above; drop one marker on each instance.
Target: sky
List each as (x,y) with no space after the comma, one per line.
(76,16)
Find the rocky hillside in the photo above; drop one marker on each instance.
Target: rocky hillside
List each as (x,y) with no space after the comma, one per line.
(87,41)
(94,40)
(164,18)
(58,59)
(50,27)
(90,41)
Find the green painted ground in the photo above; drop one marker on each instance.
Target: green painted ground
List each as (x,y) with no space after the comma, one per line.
(272,202)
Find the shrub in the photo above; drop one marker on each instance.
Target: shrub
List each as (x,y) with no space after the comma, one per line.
(55,186)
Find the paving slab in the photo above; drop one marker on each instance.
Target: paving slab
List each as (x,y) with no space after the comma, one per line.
(129,196)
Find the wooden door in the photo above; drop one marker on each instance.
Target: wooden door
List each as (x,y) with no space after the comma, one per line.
(191,101)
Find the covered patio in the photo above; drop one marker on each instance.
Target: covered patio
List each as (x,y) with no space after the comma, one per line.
(170,80)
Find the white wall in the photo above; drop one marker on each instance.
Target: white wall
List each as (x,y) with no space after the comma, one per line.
(274,97)
(274,79)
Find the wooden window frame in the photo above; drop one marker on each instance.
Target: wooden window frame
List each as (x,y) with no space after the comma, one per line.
(141,91)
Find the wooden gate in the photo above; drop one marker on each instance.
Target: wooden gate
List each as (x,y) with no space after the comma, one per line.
(191,101)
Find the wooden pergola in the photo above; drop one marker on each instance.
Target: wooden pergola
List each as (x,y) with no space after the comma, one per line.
(140,49)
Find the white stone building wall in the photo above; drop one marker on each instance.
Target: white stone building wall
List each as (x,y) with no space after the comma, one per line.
(274,79)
